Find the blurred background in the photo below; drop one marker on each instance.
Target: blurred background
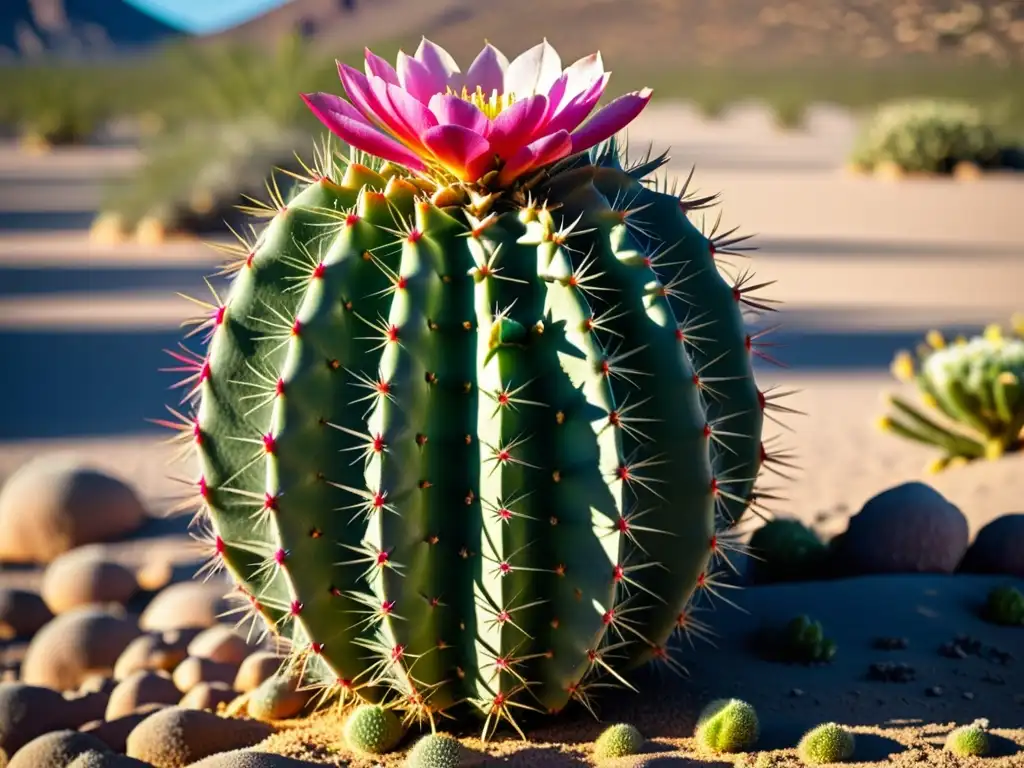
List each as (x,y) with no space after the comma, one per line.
(870,146)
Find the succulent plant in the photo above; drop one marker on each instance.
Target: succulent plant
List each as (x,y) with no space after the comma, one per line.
(930,135)
(825,744)
(372,729)
(804,641)
(618,740)
(1005,605)
(728,725)
(435,750)
(976,388)
(786,550)
(548,346)
(969,740)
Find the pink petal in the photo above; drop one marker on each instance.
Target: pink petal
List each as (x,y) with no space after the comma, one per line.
(414,116)
(464,153)
(360,91)
(438,61)
(610,120)
(419,81)
(539,153)
(375,65)
(487,72)
(574,112)
(582,74)
(517,125)
(453,110)
(343,120)
(533,71)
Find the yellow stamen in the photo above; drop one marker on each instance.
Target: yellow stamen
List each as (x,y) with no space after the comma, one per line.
(491,105)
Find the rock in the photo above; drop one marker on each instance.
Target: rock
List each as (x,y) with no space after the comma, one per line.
(208,696)
(153,651)
(186,605)
(256,668)
(87,706)
(277,698)
(22,613)
(193,671)
(220,643)
(176,737)
(244,758)
(998,548)
(114,733)
(77,644)
(83,576)
(55,750)
(94,759)
(54,503)
(98,683)
(910,528)
(142,687)
(28,711)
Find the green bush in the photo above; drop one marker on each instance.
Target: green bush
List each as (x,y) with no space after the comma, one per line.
(930,135)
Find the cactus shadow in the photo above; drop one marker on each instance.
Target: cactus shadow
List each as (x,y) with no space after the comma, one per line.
(873,747)
(534,756)
(1002,746)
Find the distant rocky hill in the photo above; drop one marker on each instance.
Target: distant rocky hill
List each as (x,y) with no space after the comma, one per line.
(34,28)
(653,34)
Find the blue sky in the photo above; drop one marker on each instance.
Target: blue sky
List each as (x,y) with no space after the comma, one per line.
(205,15)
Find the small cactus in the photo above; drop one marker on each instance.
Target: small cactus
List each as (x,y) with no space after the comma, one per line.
(372,729)
(786,550)
(827,743)
(804,641)
(969,740)
(974,387)
(728,725)
(436,750)
(1005,606)
(618,740)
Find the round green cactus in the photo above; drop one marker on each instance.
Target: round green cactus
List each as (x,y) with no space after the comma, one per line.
(371,729)
(1005,605)
(728,725)
(827,743)
(926,135)
(975,386)
(436,750)
(969,740)
(804,641)
(786,550)
(618,740)
(559,358)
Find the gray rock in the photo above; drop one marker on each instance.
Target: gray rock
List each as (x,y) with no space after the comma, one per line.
(998,548)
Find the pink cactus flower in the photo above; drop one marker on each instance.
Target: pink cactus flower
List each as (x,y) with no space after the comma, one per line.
(428,115)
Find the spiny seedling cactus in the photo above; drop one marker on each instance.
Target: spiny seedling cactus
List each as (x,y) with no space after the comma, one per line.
(728,725)
(618,740)
(976,388)
(1005,605)
(435,750)
(786,550)
(372,729)
(969,740)
(803,640)
(928,135)
(825,744)
(472,432)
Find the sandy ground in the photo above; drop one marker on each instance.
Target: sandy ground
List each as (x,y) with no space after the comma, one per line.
(902,723)
(864,267)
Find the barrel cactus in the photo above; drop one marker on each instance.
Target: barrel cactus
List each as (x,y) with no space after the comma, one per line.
(476,415)
(976,388)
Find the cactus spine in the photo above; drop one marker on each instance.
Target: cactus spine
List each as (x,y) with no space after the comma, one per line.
(467,452)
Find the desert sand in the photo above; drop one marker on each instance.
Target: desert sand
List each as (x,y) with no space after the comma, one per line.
(864,268)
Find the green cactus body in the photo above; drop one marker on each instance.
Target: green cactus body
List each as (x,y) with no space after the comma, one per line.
(786,550)
(975,387)
(435,750)
(728,725)
(461,451)
(825,744)
(969,740)
(618,740)
(1005,605)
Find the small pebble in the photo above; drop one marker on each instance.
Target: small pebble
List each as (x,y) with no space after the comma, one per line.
(968,695)
(796,693)
(935,690)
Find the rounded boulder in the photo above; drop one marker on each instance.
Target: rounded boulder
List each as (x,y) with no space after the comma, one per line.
(53,504)
(84,576)
(998,548)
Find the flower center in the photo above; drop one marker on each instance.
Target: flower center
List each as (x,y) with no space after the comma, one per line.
(491,105)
